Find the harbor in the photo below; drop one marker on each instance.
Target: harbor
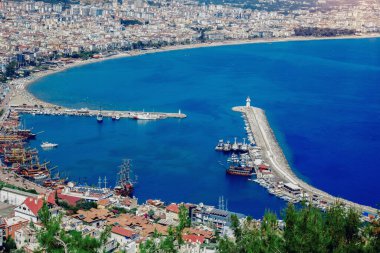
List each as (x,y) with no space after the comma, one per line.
(273,171)
(158,142)
(114,115)
(20,164)
(22,101)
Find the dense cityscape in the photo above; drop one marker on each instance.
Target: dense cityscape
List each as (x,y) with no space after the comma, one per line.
(33,32)
(40,212)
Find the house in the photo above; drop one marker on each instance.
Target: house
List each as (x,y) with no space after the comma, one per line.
(207,234)
(156,202)
(26,238)
(71,200)
(94,217)
(29,209)
(123,236)
(13,224)
(103,203)
(137,223)
(292,188)
(211,216)
(128,203)
(14,197)
(2,231)
(172,212)
(130,247)
(194,238)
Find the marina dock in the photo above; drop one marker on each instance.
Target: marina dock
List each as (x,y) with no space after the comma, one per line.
(22,101)
(274,156)
(57,110)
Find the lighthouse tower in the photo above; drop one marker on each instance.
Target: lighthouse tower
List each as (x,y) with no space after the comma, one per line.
(248,102)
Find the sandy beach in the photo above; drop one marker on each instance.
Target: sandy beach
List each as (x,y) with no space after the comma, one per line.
(20,94)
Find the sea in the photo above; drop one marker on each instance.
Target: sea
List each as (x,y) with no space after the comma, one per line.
(322,100)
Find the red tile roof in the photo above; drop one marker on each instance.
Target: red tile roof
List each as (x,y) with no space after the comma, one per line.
(104,202)
(71,200)
(122,231)
(34,204)
(194,238)
(173,208)
(51,198)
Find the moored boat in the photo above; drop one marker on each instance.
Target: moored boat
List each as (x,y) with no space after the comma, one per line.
(240,171)
(146,116)
(125,186)
(46,145)
(219,146)
(99,117)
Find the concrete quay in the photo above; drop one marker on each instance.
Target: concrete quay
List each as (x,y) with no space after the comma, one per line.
(24,102)
(56,110)
(274,156)
(16,180)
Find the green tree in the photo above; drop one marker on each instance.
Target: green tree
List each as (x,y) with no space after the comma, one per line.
(307,229)
(304,230)
(150,213)
(10,69)
(235,226)
(9,245)
(373,236)
(52,238)
(184,221)
(173,240)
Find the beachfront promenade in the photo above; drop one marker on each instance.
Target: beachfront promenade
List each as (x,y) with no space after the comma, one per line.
(273,155)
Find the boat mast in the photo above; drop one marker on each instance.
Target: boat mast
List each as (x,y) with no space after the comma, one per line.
(124,173)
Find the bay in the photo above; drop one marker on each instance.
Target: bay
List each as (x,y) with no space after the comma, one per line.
(321,99)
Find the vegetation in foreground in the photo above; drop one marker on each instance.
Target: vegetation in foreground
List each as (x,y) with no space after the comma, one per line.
(306,229)
(53,239)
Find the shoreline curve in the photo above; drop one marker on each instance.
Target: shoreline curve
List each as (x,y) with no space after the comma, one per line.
(21,94)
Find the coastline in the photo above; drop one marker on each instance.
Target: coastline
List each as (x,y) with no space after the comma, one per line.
(172,48)
(21,95)
(273,153)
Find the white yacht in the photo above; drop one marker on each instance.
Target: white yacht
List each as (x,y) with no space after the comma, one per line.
(146,116)
(235,146)
(48,145)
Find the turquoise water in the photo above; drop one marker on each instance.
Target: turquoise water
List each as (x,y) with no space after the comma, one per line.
(321,99)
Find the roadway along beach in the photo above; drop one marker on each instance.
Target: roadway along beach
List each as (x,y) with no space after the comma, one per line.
(274,155)
(20,94)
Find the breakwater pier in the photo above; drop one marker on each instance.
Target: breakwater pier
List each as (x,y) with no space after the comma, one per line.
(283,175)
(93,113)
(24,102)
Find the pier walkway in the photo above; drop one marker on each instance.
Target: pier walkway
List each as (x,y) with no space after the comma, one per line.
(274,155)
(24,102)
(56,110)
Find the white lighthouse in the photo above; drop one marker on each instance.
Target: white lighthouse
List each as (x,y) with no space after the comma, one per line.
(248,102)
